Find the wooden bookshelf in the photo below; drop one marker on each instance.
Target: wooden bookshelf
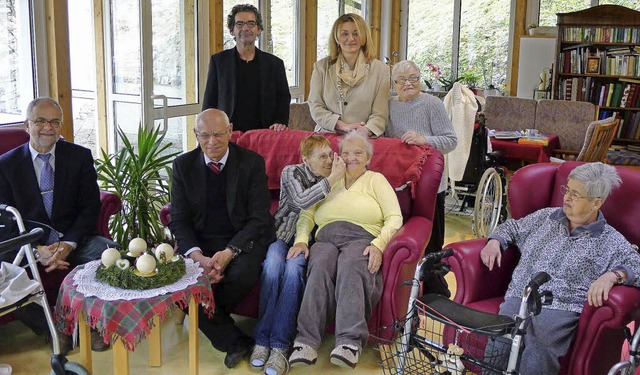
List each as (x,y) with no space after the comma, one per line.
(598,60)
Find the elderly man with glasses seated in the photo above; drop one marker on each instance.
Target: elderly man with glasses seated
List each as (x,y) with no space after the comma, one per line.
(249,85)
(584,256)
(220,218)
(53,184)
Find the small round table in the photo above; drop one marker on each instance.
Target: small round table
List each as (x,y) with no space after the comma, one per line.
(126,322)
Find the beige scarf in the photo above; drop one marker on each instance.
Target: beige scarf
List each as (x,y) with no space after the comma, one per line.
(350,77)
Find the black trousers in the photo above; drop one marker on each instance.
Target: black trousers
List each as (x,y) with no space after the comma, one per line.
(240,277)
(436,242)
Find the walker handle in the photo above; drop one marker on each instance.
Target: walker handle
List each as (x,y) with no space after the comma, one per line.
(439,255)
(538,279)
(23,239)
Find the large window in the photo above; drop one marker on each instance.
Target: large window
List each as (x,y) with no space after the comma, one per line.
(430,39)
(16,72)
(480,58)
(483,53)
(549,8)
(83,74)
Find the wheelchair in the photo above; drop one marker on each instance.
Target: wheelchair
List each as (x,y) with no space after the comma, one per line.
(629,366)
(483,185)
(59,363)
(439,336)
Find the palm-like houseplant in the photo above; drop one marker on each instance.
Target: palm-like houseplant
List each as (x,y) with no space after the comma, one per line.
(141,179)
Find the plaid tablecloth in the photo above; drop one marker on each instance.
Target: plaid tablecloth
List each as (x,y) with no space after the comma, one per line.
(131,321)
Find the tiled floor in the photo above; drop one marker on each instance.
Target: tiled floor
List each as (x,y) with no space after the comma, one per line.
(29,355)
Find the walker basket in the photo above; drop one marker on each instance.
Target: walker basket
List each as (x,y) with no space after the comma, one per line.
(440,336)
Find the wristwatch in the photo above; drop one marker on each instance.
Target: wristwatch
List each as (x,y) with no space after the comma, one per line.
(619,278)
(236,250)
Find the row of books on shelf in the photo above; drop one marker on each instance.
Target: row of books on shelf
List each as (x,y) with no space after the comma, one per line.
(615,61)
(624,94)
(601,34)
(629,127)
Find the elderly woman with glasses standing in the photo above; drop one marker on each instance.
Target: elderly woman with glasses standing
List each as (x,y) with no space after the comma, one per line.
(350,87)
(418,119)
(584,256)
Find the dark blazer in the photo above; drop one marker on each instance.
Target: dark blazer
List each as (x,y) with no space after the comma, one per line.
(76,197)
(275,97)
(248,200)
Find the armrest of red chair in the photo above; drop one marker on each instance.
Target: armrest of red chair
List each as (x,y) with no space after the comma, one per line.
(110,204)
(165,214)
(474,281)
(398,265)
(600,330)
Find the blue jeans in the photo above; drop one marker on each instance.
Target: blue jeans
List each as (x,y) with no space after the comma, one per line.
(282,285)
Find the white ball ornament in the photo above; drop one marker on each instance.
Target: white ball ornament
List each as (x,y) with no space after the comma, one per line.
(146,264)
(109,257)
(137,247)
(164,252)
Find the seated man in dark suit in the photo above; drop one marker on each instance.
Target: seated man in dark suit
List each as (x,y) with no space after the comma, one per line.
(53,184)
(249,85)
(220,218)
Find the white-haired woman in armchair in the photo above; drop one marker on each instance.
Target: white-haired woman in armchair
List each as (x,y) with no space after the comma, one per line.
(584,256)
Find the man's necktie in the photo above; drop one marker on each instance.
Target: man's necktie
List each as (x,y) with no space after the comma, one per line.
(215,166)
(46,190)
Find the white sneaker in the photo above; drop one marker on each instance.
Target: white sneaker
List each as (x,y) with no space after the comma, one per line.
(345,356)
(302,354)
(259,356)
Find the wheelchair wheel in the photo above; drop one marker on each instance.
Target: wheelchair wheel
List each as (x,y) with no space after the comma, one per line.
(72,368)
(488,205)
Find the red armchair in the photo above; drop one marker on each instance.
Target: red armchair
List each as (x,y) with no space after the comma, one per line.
(599,335)
(417,203)
(12,137)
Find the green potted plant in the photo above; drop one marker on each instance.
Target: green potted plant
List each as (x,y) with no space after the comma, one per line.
(531,28)
(141,179)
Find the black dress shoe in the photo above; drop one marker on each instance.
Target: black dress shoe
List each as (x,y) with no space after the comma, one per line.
(97,342)
(238,350)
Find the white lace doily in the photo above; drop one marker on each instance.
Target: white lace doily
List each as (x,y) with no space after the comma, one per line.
(90,286)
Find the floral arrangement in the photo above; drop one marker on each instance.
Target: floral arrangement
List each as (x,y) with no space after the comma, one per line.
(150,269)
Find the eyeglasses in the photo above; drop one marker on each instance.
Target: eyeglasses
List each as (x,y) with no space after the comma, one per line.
(241,24)
(207,136)
(41,122)
(411,79)
(574,196)
(324,157)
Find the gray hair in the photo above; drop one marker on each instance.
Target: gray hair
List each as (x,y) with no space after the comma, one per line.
(355,136)
(231,18)
(37,101)
(598,179)
(403,67)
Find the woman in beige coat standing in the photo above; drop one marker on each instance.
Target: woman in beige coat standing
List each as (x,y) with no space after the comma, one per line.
(350,87)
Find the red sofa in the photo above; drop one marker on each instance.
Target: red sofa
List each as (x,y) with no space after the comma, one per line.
(11,138)
(400,163)
(599,336)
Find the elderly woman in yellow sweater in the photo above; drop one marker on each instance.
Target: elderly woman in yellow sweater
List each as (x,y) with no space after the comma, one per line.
(355,222)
